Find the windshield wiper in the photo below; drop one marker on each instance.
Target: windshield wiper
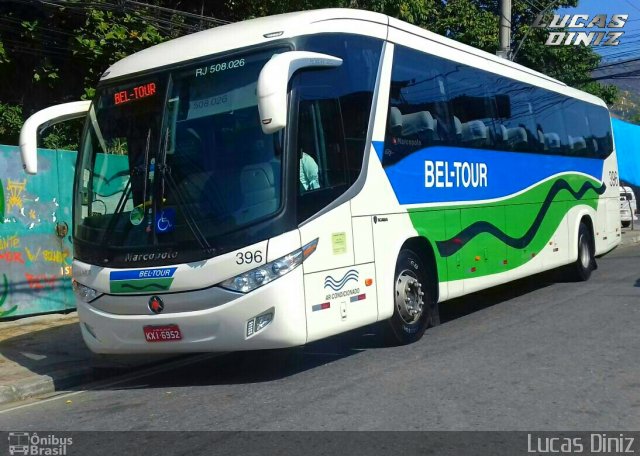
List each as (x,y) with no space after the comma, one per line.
(165,176)
(122,202)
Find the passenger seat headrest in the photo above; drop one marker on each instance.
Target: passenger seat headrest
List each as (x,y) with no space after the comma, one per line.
(474,130)
(395,121)
(417,122)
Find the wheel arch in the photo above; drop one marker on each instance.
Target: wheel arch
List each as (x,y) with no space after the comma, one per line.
(424,249)
(586,218)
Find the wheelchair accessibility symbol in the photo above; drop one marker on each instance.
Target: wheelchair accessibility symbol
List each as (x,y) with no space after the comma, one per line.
(166,221)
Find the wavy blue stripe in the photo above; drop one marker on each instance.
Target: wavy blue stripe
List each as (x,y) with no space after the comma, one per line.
(337,284)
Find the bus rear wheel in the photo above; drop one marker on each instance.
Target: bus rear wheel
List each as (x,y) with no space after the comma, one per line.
(585,264)
(415,307)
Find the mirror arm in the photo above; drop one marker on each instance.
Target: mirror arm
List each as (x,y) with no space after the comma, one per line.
(41,120)
(274,80)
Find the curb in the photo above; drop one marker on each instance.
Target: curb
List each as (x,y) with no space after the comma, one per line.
(632,240)
(42,384)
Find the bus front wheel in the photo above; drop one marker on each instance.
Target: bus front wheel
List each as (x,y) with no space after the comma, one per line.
(415,307)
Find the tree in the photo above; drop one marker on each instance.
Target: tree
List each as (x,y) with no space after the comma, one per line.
(51,55)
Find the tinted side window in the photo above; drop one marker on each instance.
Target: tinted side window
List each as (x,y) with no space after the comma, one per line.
(600,130)
(434,101)
(550,129)
(333,107)
(419,114)
(577,124)
(473,106)
(517,131)
(322,161)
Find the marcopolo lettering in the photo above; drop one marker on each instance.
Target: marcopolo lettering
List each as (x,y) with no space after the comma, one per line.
(150,256)
(442,174)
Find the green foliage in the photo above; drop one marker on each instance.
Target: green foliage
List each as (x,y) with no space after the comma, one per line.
(468,22)
(56,54)
(64,135)
(10,122)
(107,37)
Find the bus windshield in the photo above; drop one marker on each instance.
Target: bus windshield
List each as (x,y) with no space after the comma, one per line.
(175,160)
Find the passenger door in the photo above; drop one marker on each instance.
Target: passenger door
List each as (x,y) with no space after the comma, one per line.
(321,176)
(334,287)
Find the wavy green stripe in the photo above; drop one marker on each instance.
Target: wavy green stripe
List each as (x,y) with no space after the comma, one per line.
(512,216)
(139,286)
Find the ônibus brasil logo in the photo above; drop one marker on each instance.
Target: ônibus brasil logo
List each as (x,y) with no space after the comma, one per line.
(601,36)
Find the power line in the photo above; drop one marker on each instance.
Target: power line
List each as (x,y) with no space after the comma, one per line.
(180,13)
(618,63)
(136,8)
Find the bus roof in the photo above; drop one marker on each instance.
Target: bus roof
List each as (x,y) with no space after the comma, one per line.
(273,28)
(233,36)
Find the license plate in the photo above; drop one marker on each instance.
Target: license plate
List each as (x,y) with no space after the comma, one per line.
(167,333)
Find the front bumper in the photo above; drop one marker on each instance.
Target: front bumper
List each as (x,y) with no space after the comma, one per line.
(220,328)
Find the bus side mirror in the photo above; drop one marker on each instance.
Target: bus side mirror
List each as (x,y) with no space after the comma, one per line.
(274,79)
(41,120)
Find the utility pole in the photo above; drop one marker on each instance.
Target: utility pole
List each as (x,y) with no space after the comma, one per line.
(505,30)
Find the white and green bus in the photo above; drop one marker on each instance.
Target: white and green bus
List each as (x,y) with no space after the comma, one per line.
(273,182)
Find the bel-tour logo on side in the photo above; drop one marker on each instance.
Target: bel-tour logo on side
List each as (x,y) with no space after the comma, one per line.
(602,36)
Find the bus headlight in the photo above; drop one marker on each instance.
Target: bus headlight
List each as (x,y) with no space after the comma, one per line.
(255,278)
(84,293)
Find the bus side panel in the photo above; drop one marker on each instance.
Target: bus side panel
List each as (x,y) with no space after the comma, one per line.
(389,234)
(485,254)
(612,206)
(453,287)
(339,300)
(528,266)
(335,240)
(363,239)
(557,248)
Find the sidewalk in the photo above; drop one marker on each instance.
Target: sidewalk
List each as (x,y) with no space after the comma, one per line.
(630,236)
(46,353)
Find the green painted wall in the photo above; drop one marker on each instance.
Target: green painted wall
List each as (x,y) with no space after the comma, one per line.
(35,264)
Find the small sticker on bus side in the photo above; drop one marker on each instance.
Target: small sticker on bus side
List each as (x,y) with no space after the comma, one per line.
(339,243)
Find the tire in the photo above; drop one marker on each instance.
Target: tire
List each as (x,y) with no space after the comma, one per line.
(626,224)
(415,308)
(586,262)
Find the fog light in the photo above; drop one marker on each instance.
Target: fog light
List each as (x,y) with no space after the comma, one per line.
(90,330)
(257,324)
(84,293)
(263,320)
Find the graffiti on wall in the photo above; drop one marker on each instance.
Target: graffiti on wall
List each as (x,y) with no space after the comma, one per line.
(4,293)
(35,264)
(1,202)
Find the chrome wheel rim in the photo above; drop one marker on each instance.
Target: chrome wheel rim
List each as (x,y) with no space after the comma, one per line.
(408,296)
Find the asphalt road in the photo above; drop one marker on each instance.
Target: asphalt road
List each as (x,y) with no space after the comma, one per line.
(534,355)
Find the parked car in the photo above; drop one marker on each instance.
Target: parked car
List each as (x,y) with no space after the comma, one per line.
(628,207)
